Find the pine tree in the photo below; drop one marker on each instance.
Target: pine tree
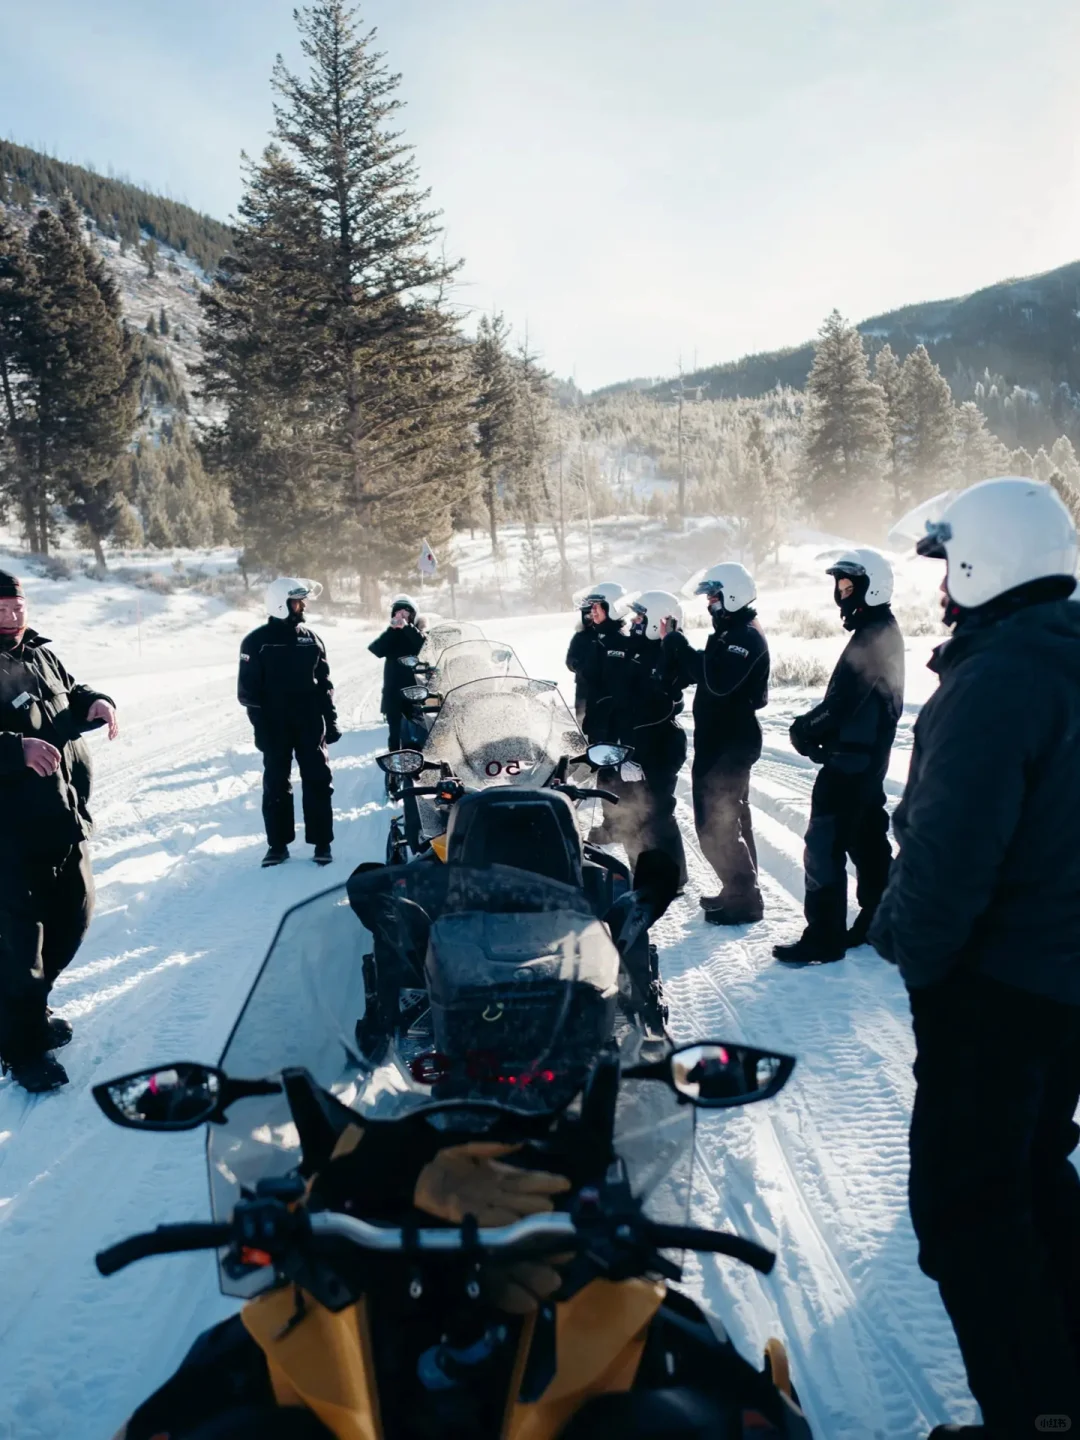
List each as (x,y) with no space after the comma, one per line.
(149,253)
(75,379)
(163,322)
(1021,463)
(925,443)
(18,305)
(496,407)
(361,405)
(151,327)
(846,429)
(754,493)
(979,454)
(887,372)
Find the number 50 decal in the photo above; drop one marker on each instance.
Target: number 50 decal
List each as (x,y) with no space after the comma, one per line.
(496,767)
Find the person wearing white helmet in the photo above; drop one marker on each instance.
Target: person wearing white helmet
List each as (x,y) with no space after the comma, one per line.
(645,717)
(583,657)
(401,638)
(850,734)
(982,917)
(284,684)
(732,679)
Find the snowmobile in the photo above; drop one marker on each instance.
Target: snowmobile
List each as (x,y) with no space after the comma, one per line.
(534,831)
(386,1300)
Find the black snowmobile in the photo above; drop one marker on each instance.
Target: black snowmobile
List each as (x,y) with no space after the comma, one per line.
(379,1305)
(533,830)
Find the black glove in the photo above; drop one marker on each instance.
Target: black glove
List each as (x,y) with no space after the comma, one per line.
(800,741)
(333,734)
(258,729)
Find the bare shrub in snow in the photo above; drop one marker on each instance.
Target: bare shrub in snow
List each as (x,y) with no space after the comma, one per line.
(794,667)
(51,567)
(805,625)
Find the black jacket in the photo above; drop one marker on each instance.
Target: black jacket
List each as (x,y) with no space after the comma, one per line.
(389,647)
(582,660)
(284,676)
(988,875)
(39,814)
(853,728)
(610,681)
(732,679)
(647,717)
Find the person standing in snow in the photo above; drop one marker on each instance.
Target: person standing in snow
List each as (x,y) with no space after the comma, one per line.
(401,638)
(582,657)
(284,685)
(982,917)
(732,679)
(46,885)
(646,718)
(850,734)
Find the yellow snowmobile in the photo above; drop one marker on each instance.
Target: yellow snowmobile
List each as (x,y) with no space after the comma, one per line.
(481,1240)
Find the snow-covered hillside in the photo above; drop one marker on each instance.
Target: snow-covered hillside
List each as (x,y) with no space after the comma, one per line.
(185,915)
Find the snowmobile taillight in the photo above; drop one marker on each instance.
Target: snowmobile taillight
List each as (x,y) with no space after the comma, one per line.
(430,1069)
(255,1257)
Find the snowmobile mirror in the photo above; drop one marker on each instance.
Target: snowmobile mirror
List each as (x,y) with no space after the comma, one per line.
(400,762)
(415,692)
(500,657)
(606,756)
(715,1075)
(171,1097)
(410,661)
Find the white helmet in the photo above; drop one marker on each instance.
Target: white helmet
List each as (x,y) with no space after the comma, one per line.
(655,605)
(608,592)
(1000,534)
(731,584)
(402,602)
(869,562)
(279,592)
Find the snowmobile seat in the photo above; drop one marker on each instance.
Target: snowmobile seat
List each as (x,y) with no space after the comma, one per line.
(532,830)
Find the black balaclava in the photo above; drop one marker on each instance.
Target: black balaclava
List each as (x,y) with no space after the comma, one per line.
(853,608)
(10,589)
(296,616)
(1035,592)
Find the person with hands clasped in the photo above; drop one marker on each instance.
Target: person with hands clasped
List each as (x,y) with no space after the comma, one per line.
(284,684)
(404,636)
(46,885)
(732,679)
(850,735)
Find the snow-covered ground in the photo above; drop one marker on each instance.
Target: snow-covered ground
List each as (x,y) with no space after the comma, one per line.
(185,915)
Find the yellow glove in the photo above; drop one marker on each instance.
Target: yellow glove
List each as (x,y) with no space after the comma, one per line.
(471,1180)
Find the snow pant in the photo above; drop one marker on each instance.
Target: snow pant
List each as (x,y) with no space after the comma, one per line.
(306,741)
(995,1201)
(645,819)
(45,909)
(721,790)
(847,818)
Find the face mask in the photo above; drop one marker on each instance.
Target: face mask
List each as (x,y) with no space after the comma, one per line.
(640,625)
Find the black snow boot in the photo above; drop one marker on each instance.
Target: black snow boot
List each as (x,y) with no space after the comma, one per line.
(808,950)
(276,855)
(323,855)
(39,1074)
(57,1030)
(732,917)
(856,936)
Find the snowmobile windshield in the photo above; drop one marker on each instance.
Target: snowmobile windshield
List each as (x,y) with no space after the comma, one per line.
(474,660)
(504,730)
(441,637)
(495,988)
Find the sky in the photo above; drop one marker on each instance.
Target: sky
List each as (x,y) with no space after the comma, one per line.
(636,184)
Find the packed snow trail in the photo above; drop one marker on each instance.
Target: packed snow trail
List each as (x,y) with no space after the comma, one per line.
(184,918)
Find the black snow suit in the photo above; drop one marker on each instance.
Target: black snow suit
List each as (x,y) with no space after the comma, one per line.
(390,647)
(851,735)
(46,887)
(581,660)
(284,684)
(982,916)
(609,681)
(732,679)
(646,717)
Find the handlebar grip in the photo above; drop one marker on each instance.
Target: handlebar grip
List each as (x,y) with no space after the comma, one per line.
(608,795)
(165,1240)
(715,1242)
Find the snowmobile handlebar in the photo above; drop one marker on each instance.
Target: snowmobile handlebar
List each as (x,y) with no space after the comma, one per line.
(165,1240)
(537,1234)
(585,792)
